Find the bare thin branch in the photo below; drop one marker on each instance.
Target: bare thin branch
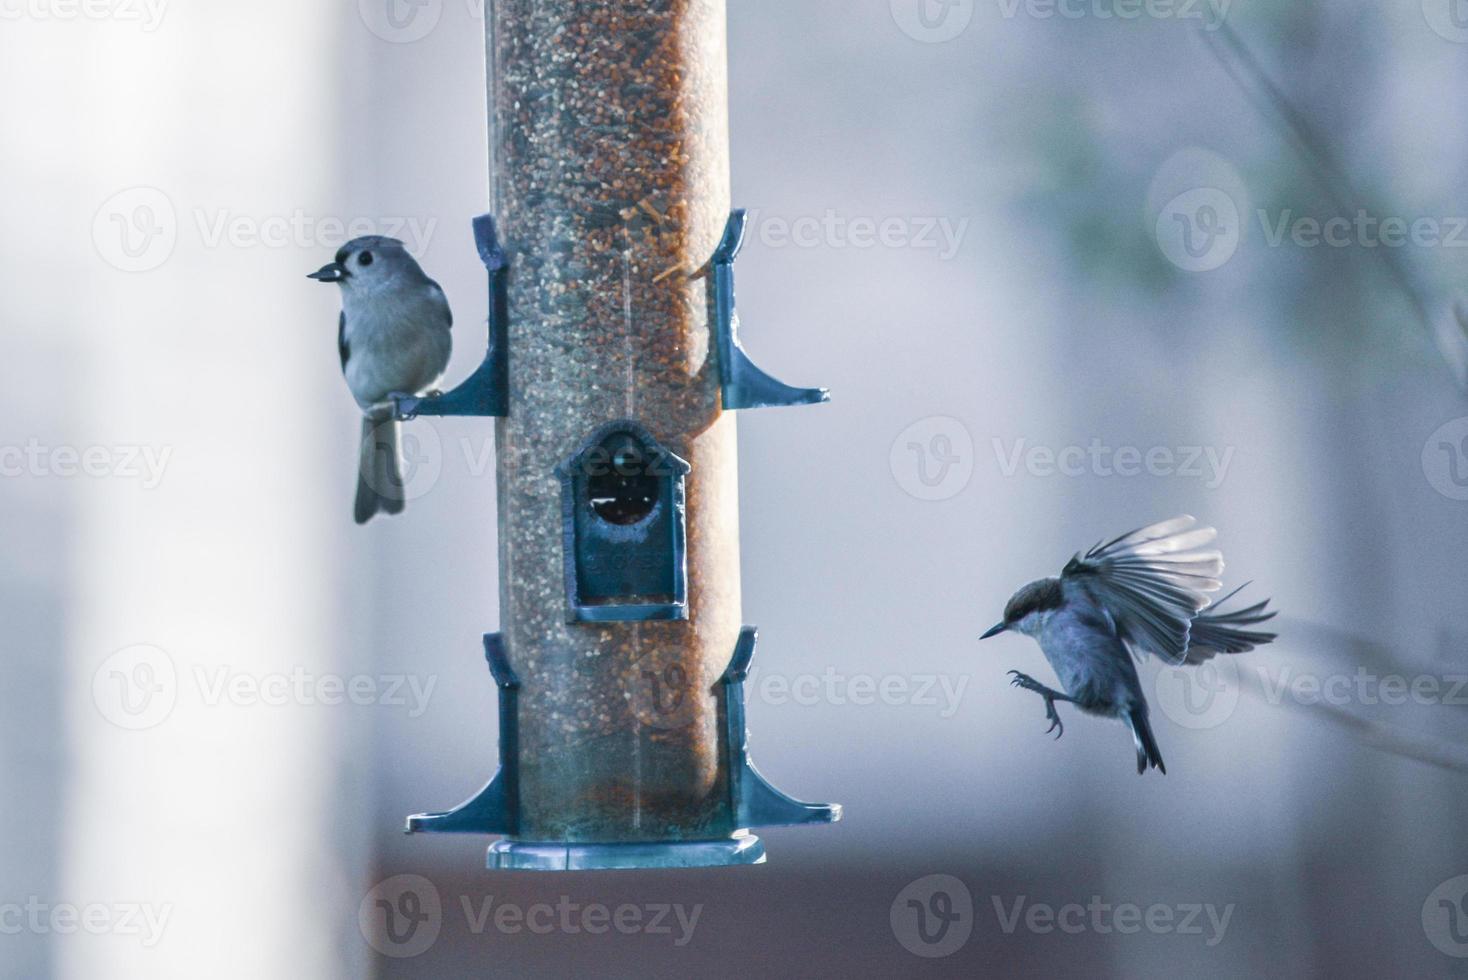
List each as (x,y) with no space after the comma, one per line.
(1432,750)
(1239,62)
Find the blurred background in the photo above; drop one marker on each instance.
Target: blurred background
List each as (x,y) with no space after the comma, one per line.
(1068,269)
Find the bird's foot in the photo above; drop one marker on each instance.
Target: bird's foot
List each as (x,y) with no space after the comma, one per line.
(381,412)
(1027,683)
(404,405)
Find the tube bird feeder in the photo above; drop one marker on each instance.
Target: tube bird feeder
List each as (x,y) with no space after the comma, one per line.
(613,369)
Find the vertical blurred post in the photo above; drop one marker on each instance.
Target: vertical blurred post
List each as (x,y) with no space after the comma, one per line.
(200,824)
(610,166)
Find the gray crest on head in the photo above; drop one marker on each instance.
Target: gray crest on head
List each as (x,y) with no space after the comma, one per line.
(379,242)
(1035,597)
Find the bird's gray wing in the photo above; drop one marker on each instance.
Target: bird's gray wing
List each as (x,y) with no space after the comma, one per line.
(343,348)
(443,300)
(1152,582)
(1218,632)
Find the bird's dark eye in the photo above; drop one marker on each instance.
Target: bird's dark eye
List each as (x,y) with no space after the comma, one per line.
(365,259)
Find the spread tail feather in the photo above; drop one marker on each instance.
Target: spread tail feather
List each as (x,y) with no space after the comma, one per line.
(379,478)
(1215,632)
(1147,752)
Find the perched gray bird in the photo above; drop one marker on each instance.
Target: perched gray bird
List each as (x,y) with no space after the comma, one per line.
(1140,594)
(394,337)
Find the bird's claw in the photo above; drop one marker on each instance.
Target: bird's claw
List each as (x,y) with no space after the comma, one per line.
(1027,683)
(405,406)
(398,400)
(1056,725)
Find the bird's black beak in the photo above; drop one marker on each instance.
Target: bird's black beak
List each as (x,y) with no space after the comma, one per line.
(331,272)
(994,632)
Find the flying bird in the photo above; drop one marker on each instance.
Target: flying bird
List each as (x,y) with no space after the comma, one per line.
(394,339)
(1142,593)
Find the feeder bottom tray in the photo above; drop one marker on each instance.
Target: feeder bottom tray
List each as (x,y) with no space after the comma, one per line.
(742,848)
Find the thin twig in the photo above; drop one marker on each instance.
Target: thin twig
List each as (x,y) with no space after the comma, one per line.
(1386,738)
(1404,743)
(1446,327)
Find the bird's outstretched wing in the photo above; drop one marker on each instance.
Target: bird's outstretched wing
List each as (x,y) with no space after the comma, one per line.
(1218,632)
(1152,582)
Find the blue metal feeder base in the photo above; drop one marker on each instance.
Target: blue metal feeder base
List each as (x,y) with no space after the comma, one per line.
(752,802)
(507,855)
